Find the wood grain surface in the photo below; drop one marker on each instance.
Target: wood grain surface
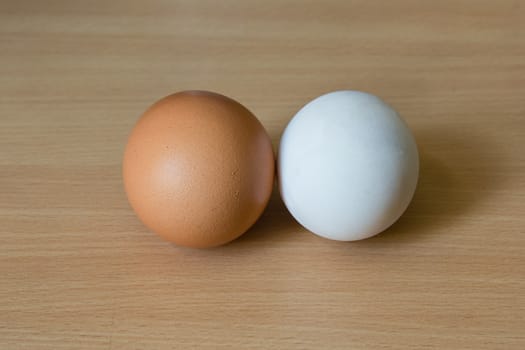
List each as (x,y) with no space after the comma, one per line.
(79,271)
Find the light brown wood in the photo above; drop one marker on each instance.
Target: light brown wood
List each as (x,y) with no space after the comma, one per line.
(79,271)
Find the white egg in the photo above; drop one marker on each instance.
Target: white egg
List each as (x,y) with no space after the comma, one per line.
(348,166)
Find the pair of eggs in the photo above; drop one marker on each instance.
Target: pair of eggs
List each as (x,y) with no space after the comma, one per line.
(199,167)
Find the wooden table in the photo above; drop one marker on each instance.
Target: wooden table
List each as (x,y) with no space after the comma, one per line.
(79,271)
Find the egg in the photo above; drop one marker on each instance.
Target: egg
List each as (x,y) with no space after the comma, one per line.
(348,166)
(198,169)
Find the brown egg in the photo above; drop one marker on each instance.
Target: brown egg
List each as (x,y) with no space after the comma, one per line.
(198,169)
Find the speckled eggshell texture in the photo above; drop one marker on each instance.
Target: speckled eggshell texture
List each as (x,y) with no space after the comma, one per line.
(198,169)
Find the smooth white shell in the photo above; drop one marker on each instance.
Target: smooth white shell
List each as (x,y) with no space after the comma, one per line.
(348,166)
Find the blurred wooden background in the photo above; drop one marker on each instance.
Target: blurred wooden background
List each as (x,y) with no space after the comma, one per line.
(79,271)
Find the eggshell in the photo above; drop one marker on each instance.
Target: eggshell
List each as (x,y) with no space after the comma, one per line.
(198,168)
(348,166)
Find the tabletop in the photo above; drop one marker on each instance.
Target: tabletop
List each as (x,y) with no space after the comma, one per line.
(79,271)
